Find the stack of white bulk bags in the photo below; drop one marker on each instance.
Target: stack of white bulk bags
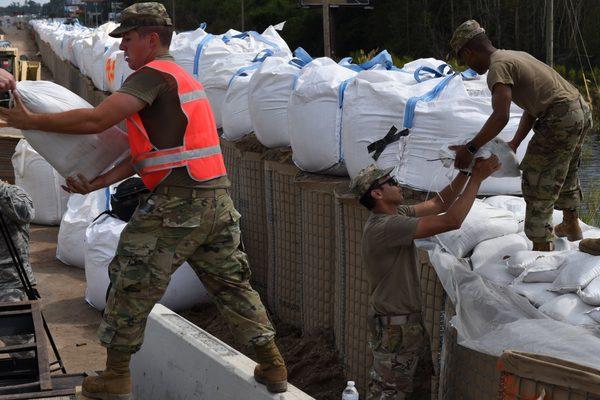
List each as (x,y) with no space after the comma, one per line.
(81,211)
(269,95)
(68,41)
(34,175)
(101,240)
(315,112)
(116,69)
(101,43)
(219,58)
(235,110)
(427,116)
(70,155)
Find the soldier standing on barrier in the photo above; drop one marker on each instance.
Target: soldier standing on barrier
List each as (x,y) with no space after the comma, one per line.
(402,363)
(560,119)
(189,215)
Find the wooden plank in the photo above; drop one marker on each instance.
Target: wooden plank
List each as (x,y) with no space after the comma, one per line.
(17,348)
(42,347)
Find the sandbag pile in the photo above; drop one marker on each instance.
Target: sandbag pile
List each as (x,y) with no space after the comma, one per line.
(564,284)
(101,238)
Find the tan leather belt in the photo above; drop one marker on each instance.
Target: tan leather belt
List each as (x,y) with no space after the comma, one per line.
(390,320)
(188,193)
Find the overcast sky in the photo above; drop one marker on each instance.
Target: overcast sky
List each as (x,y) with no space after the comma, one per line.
(4,3)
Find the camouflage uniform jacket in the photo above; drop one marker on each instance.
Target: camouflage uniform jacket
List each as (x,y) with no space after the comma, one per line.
(17,210)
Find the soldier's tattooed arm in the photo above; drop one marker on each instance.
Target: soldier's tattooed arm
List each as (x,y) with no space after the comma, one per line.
(15,204)
(525,125)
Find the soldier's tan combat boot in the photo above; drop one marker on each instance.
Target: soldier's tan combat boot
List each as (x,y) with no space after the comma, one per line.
(569,227)
(114,383)
(590,246)
(543,246)
(270,370)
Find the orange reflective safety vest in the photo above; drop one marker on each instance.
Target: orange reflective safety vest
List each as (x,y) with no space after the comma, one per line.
(200,153)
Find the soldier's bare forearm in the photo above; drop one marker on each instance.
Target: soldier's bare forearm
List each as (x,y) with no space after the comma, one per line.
(121,171)
(525,125)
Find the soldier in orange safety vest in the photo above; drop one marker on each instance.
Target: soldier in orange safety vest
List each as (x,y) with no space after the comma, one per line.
(189,215)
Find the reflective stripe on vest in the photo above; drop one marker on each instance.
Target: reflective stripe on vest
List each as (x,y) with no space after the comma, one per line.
(192,96)
(170,158)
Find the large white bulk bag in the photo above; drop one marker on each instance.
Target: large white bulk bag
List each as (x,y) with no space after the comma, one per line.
(82,53)
(268,97)
(439,111)
(101,240)
(88,155)
(235,113)
(461,241)
(116,69)
(314,117)
(219,57)
(34,175)
(81,211)
(184,46)
(101,43)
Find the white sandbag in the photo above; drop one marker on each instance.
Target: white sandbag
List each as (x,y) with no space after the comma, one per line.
(314,117)
(498,223)
(235,112)
(537,293)
(82,53)
(116,69)
(101,43)
(34,175)
(578,271)
(544,269)
(496,273)
(509,164)
(184,46)
(81,211)
(88,155)
(595,314)
(102,237)
(268,97)
(569,308)
(496,250)
(522,260)
(444,111)
(591,294)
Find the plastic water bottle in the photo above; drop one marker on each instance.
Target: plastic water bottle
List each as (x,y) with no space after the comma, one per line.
(350,393)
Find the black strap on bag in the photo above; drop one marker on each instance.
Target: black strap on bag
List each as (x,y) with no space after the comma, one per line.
(127,198)
(392,136)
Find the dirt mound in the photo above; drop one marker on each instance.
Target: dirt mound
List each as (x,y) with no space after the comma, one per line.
(311,359)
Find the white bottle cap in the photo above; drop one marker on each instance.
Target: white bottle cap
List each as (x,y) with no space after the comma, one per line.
(350,383)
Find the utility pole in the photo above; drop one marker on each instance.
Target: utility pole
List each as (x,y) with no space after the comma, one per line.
(243,17)
(327,28)
(550,32)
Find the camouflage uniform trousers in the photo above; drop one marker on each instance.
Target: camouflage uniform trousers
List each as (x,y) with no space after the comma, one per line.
(402,364)
(550,166)
(164,232)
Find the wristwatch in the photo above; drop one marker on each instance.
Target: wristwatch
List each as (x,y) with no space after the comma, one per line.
(471,148)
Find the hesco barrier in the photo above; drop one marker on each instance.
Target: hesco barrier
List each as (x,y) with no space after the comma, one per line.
(467,374)
(352,289)
(284,233)
(232,157)
(8,142)
(250,187)
(317,225)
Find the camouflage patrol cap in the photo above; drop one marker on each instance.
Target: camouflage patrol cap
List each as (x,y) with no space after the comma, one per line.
(366,177)
(465,32)
(142,14)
